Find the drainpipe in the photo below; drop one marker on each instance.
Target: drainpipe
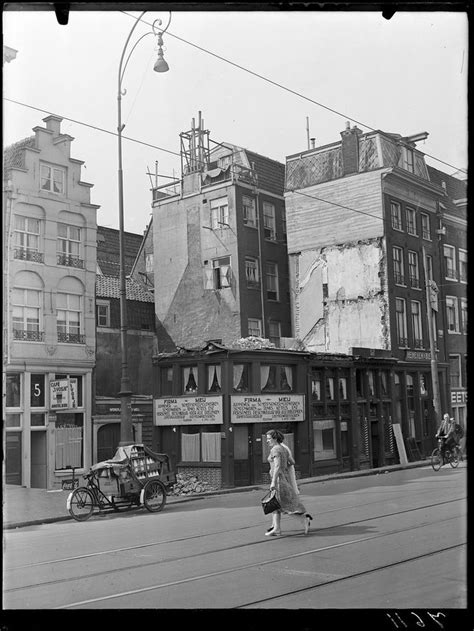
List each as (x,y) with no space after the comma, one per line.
(434,361)
(262,298)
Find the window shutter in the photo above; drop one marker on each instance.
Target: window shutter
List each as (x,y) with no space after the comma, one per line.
(208,278)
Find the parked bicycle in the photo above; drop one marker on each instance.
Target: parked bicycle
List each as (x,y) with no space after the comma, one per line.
(452,456)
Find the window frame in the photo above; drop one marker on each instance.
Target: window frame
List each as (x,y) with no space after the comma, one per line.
(401,322)
(221,272)
(416,324)
(274,338)
(272,281)
(398,266)
(457,358)
(249,261)
(410,220)
(258,324)
(103,304)
(396,218)
(53,169)
(414,269)
(408,159)
(425,226)
(250,219)
(219,211)
(463,265)
(30,331)
(463,315)
(70,329)
(452,307)
(450,262)
(269,221)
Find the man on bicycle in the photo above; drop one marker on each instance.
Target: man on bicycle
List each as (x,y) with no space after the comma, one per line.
(447,432)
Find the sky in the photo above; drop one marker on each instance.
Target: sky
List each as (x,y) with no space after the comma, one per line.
(404,75)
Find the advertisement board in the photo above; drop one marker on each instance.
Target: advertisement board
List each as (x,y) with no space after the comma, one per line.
(270,408)
(63,394)
(188,411)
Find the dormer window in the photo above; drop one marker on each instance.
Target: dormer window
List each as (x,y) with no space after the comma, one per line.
(408,159)
(52,179)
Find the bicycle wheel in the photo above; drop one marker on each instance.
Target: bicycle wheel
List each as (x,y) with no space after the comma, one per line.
(154,496)
(81,504)
(436,461)
(454,457)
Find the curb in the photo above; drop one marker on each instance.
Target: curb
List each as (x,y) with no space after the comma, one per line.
(242,489)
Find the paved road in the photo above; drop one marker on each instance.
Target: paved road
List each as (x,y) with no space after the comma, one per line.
(387,541)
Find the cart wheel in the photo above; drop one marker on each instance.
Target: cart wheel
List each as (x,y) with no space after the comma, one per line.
(154,496)
(81,505)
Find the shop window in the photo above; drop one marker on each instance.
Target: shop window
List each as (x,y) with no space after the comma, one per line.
(388,431)
(69,440)
(345,449)
(384,382)
(214,378)
(316,386)
(13,392)
(200,446)
(360,383)
(371,382)
(166,381)
(76,388)
(324,440)
(37,391)
(275,378)
(190,379)
(343,388)
(330,388)
(411,404)
(241,378)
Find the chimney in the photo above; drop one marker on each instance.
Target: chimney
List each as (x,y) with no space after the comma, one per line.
(350,149)
(313,143)
(53,123)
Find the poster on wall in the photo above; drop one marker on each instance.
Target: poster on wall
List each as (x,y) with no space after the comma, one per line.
(63,394)
(188,411)
(271,408)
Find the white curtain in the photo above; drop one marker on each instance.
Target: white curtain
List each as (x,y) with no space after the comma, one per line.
(211,446)
(238,371)
(289,376)
(213,369)
(264,372)
(343,387)
(68,447)
(190,448)
(331,387)
(185,377)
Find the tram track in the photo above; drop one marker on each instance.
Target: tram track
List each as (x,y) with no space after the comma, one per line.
(246,544)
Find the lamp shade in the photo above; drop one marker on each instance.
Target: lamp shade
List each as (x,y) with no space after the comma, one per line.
(160,64)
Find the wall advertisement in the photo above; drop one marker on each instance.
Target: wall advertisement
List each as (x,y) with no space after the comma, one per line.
(188,411)
(271,408)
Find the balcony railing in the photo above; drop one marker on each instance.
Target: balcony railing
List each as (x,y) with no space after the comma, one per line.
(25,254)
(70,261)
(28,336)
(402,341)
(418,344)
(399,278)
(415,282)
(71,338)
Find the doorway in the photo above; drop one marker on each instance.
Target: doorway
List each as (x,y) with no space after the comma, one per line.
(108,438)
(39,468)
(13,458)
(375,444)
(242,455)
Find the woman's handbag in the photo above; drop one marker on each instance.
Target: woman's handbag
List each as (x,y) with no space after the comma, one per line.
(270,503)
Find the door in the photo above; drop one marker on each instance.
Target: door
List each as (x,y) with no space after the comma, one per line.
(108,438)
(375,444)
(241,455)
(13,458)
(38,460)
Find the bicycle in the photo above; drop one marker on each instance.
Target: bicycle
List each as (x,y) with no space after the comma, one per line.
(453,456)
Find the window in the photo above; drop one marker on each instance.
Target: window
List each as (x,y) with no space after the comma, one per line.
(52,179)
(283,220)
(396,215)
(255,327)
(69,244)
(190,379)
(103,313)
(75,388)
(429,266)
(274,332)
(413,269)
(69,440)
(463,316)
(425,227)
(13,390)
(324,439)
(329,387)
(200,446)
(241,377)
(269,229)
(221,272)
(455,371)
(275,378)
(219,213)
(27,239)
(452,314)
(463,266)
(384,382)
(316,385)
(416,325)
(371,382)
(249,212)
(214,378)
(26,314)
(360,389)
(343,388)
(450,262)
(37,391)
(408,159)
(166,381)
(401,320)
(149,262)
(410,215)
(251,272)
(272,281)
(69,316)
(398,269)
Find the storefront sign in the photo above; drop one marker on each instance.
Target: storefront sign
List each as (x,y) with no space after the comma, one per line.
(63,394)
(271,408)
(424,356)
(458,396)
(188,411)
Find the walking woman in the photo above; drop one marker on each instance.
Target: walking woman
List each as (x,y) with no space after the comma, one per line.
(280,460)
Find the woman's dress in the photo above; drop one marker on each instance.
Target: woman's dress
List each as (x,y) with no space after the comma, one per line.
(289,500)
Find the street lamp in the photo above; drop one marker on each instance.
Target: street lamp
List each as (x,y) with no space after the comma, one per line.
(126,434)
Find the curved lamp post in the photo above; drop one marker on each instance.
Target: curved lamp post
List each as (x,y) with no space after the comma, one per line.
(126,433)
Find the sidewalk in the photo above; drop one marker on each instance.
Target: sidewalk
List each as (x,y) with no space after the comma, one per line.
(29,507)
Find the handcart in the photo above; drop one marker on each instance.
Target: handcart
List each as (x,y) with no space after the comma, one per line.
(135,476)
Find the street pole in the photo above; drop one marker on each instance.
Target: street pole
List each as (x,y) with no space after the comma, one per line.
(125,394)
(430,295)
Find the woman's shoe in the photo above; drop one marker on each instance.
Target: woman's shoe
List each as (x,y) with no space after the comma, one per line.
(272,533)
(307,523)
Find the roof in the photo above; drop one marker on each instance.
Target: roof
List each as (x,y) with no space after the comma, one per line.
(109,287)
(14,155)
(271,174)
(455,188)
(108,250)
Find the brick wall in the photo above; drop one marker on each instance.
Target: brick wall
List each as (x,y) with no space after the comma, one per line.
(212,475)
